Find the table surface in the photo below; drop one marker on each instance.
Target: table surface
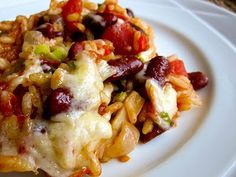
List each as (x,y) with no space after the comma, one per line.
(228,4)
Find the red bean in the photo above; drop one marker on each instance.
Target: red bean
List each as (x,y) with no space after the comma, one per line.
(110,19)
(129,12)
(77,36)
(58,101)
(48,30)
(126,66)
(140,88)
(33,112)
(56,19)
(198,80)
(49,65)
(157,130)
(75,49)
(144,138)
(98,22)
(158,69)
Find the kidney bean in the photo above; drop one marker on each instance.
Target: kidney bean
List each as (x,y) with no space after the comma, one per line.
(33,112)
(140,88)
(75,49)
(77,36)
(39,21)
(110,19)
(58,101)
(157,130)
(130,12)
(158,69)
(98,22)
(126,66)
(56,19)
(144,138)
(48,30)
(95,23)
(49,65)
(198,80)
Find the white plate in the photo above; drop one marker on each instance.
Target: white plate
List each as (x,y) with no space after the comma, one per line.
(204,142)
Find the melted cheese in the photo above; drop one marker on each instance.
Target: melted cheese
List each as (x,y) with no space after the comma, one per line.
(67,136)
(163,99)
(85,84)
(60,150)
(33,66)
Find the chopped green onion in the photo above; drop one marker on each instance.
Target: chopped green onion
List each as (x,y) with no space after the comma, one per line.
(140,58)
(42,49)
(59,54)
(165,116)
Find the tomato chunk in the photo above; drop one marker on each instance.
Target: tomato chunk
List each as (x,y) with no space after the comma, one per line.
(72,7)
(122,37)
(177,67)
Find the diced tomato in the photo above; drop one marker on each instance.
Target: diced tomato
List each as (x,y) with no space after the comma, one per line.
(107,50)
(71,7)
(143,42)
(122,37)
(177,67)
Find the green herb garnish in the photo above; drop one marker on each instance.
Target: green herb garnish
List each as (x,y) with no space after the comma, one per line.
(165,116)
